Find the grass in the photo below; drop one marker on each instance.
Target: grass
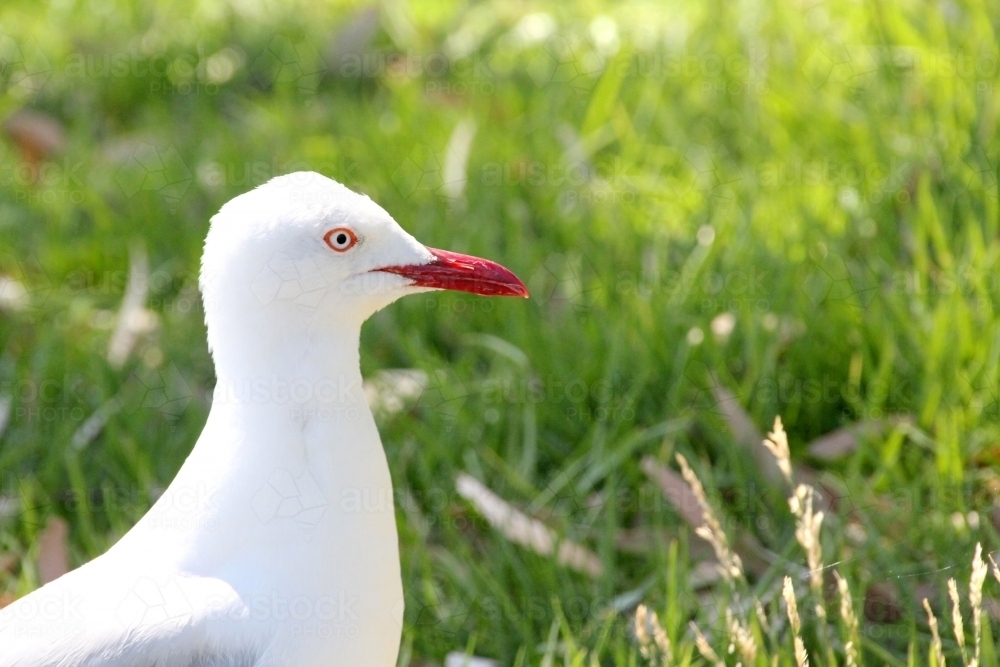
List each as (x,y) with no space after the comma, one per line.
(796,201)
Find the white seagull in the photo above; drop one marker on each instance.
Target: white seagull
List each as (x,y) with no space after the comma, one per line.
(276,543)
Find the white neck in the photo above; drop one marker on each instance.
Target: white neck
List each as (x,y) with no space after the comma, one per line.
(290,417)
(288,490)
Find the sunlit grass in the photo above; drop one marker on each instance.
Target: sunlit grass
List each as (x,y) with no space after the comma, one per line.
(797,202)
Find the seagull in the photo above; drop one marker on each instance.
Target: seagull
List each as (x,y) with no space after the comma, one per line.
(276,543)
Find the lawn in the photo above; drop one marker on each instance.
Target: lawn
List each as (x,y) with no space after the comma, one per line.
(724,212)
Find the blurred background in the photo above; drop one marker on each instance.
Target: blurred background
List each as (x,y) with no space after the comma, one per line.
(724,211)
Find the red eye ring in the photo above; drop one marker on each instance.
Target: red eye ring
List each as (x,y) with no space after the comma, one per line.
(340,239)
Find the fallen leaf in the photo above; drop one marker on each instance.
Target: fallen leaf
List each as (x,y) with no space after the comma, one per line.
(843,441)
(992,607)
(36,133)
(834,445)
(930,593)
(755,557)
(882,603)
(745,432)
(8,563)
(675,489)
(53,550)
(350,49)
(647,539)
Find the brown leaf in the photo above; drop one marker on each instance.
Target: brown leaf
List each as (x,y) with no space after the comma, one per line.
(352,42)
(8,563)
(6,599)
(37,134)
(647,539)
(843,441)
(926,591)
(753,554)
(834,445)
(53,550)
(745,432)
(995,517)
(675,489)
(882,603)
(992,607)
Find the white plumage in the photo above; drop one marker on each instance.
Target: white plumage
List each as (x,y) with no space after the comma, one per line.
(276,543)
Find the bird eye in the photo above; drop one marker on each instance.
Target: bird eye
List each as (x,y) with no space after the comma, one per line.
(341,239)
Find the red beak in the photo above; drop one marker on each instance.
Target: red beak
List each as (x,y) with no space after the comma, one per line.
(464,273)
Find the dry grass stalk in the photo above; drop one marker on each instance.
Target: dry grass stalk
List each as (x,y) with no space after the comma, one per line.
(807,528)
(777,444)
(801,657)
(741,639)
(730,565)
(662,642)
(976,582)
(956,619)
(133,317)
(642,628)
(788,592)
(853,640)
(995,569)
(936,648)
(522,529)
(652,645)
(761,616)
(807,522)
(705,648)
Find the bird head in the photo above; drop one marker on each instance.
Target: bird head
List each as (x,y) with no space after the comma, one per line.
(302,252)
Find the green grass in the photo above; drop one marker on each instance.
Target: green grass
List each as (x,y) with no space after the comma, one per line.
(825,173)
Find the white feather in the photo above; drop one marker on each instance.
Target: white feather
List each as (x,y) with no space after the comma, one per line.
(276,543)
